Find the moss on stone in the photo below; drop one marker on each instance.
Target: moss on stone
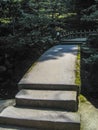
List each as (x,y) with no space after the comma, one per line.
(31,67)
(78,80)
(82,99)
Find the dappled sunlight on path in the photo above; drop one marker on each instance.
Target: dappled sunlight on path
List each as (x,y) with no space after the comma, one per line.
(58,52)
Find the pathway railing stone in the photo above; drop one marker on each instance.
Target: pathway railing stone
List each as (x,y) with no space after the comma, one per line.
(76,34)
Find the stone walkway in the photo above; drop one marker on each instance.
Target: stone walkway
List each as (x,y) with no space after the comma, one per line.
(55,69)
(49,96)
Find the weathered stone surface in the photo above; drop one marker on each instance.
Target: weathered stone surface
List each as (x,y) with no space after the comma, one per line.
(66,100)
(43,119)
(50,81)
(76,40)
(55,69)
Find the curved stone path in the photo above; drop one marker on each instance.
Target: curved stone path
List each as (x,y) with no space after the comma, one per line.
(48,98)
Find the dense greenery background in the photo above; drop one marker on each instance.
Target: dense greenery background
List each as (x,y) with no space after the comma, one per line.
(29,27)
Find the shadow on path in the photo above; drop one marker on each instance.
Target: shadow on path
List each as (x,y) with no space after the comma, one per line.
(58,51)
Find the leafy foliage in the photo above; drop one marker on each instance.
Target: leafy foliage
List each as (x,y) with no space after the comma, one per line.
(27,29)
(30,22)
(91,12)
(90,63)
(83,9)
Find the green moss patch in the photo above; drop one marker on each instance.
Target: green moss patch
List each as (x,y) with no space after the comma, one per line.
(78,80)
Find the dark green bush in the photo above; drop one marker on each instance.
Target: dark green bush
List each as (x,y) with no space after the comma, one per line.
(90,63)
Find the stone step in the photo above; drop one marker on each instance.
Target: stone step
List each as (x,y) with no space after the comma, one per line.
(55,70)
(40,118)
(67,87)
(14,127)
(66,100)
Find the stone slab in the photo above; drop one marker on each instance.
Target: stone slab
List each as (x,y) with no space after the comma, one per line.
(77,40)
(43,119)
(55,69)
(66,100)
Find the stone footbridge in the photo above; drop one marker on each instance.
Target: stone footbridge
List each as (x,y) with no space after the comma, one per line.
(48,96)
